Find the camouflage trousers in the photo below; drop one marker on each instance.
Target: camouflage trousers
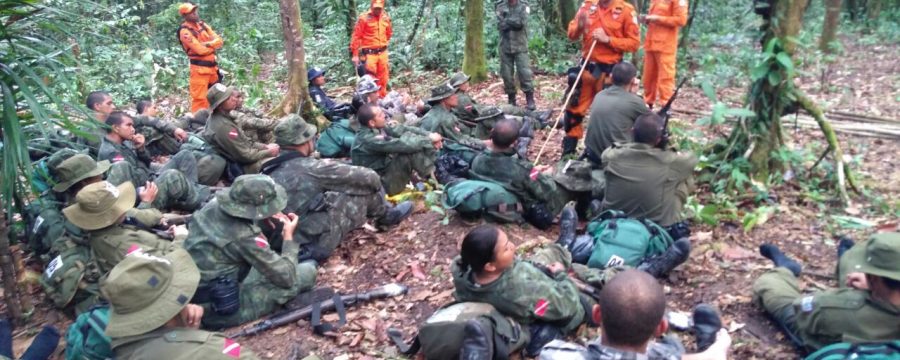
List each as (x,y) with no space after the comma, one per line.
(776,291)
(178,190)
(516,64)
(399,171)
(553,253)
(322,231)
(209,167)
(259,297)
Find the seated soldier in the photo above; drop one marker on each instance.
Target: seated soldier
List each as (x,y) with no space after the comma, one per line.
(330,197)
(337,139)
(535,187)
(467,109)
(150,317)
(242,277)
(224,135)
(332,110)
(613,113)
(102,105)
(176,180)
(100,210)
(632,315)
(489,116)
(867,311)
(646,182)
(440,119)
(398,108)
(159,143)
(255,124)
(393,152)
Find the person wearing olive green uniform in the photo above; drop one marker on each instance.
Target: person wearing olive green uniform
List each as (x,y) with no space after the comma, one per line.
(229,246)
(512,21)
(868,311)
(440,119)
(613,113)
(393,152)
(150,315)
(468,110)
(227,137)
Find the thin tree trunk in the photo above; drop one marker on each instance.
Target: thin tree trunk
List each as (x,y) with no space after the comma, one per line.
(686,30)
(297,93)
(10,285)
(351,18)
(474,62)
(567,10)
(415,29)
(830,25)
(842,170)
(873,11)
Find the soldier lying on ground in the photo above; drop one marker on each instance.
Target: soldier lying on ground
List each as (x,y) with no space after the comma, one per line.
(242,277)
(467,109)
(393,152)
(397,107)
(868,310)
(225,136)
(440,119)
(331,198)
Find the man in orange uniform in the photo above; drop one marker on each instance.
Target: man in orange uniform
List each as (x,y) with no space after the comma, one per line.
(369,43)
(660,46)
(612,23)
(200,43)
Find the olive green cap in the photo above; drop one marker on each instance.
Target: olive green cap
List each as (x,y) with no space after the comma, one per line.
(77,168)
(100,205)
(881,258)
(292,130)
(252,197)
(217,94)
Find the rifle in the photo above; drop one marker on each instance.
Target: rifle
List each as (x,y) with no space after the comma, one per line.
(664,114)
(386,291)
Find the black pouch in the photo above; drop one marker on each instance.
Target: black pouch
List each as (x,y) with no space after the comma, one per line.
(224,294)
(538,216)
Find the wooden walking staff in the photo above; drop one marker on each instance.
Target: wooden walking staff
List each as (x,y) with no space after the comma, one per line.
(566,103)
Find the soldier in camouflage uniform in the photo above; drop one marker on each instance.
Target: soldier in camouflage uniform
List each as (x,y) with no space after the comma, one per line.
(393,152)
(440,119)
(159,142)
(330,197)
(150,316)
(102,105)
(867,311)
(512,21)
(467,109)
(227,137)
(176,180)
(255,124)
(242,277)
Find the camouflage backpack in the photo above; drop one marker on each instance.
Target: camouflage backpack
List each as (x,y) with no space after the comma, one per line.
(474,198)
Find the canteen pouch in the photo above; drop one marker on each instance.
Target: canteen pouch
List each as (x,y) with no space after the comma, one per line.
(225,296)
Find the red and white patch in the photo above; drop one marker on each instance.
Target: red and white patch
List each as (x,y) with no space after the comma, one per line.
(118,158)
(468,108)
(261,241)
(232,348)
(534,174)
(540,308)
(233,134)
(133,249)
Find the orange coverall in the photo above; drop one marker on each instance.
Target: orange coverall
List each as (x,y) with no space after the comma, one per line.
(369,42)
(660,48)
(200,43)
(618,20)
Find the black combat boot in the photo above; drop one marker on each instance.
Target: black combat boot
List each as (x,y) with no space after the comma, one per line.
(541,334)
(582,249)
(542,117)
(477,343)
(511,98)
(660,265)
(43,345)
(522,147)
(568,227)
(569,145)
(529,101)
(773,253)
(706,324)
(396,214)
(844,244)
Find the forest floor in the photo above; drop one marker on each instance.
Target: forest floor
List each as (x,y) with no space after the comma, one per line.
(724,261)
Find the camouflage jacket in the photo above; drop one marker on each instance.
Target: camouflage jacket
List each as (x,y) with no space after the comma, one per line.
(223,245)
(466,108)
(442,121)
(161,126)
(47,227)
(179,344)
(111,244)
(375,148)
(227,138)
(303,178)
(505,168)
(139,159)
(512,22)
(655,351)
(255,125)
(525,293)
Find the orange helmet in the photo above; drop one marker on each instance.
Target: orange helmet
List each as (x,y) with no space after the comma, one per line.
(378,4)
(186,8)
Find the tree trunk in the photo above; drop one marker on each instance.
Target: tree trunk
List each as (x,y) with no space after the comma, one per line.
(686,30)
(415,29)
(853,9)
(351,19)
(567,11)
(297,93)
(474,63)
(552,20)
(830,26)
(874,9)
(10,284)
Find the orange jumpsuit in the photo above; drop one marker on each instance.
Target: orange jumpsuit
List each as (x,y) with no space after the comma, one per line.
(200,43)
(618,20)
(660,48)
(369,42)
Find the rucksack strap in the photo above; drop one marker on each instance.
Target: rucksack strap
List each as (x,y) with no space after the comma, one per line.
(396,337)
(275,163)
(321,328)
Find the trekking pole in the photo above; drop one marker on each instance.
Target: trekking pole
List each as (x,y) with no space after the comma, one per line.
(537,158)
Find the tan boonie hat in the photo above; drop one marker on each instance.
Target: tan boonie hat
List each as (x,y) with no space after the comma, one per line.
(881,258)
(292,130)
(217,94)
(146,291)
(252,197)
(77,168)
(441,92)
(458,79)
(100,204)
(573,175)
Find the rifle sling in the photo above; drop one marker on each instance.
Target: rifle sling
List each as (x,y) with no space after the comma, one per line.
(406,349)
(321,328)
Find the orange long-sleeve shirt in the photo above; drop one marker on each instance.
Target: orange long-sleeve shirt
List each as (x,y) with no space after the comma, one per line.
(371,32)
(662,33)
(617,20)
(199,41)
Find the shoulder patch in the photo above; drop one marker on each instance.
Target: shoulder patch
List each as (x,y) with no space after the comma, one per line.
(37,224)
(682,3)
(807,304)
(261,241)
(133,249)
(198,336)
(540,308)
(232,349)
(53,266)
(233,133)
(118,158)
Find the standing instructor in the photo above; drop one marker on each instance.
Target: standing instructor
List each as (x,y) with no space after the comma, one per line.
(369,43)
(512,18)
(200,43)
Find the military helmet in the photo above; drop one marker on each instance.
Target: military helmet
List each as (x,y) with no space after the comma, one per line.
(252,197)
(313,73)
(458,79)
(367,85)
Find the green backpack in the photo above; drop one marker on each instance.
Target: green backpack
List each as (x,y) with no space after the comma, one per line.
(474,198)
(72,278)
(86,338)
(871,351)
(442,335)
(620,240)
(337,140)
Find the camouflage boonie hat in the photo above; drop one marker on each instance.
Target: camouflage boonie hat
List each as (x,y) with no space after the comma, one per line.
(881,258)
(573,175)
(488,112)
(75,169)
(441,92)
(146,291)
(58,157)
(217,94)
(252,197)
(100,204)
(292,130)
(367,85)
(458,79)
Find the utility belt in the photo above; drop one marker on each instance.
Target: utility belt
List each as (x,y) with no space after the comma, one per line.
(372,51)
(204,63)
(597,68)
(222,293)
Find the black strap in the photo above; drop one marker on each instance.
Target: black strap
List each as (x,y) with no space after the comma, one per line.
(275,163)
(396,337)
(204,63)
(316,320)
(373,51)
